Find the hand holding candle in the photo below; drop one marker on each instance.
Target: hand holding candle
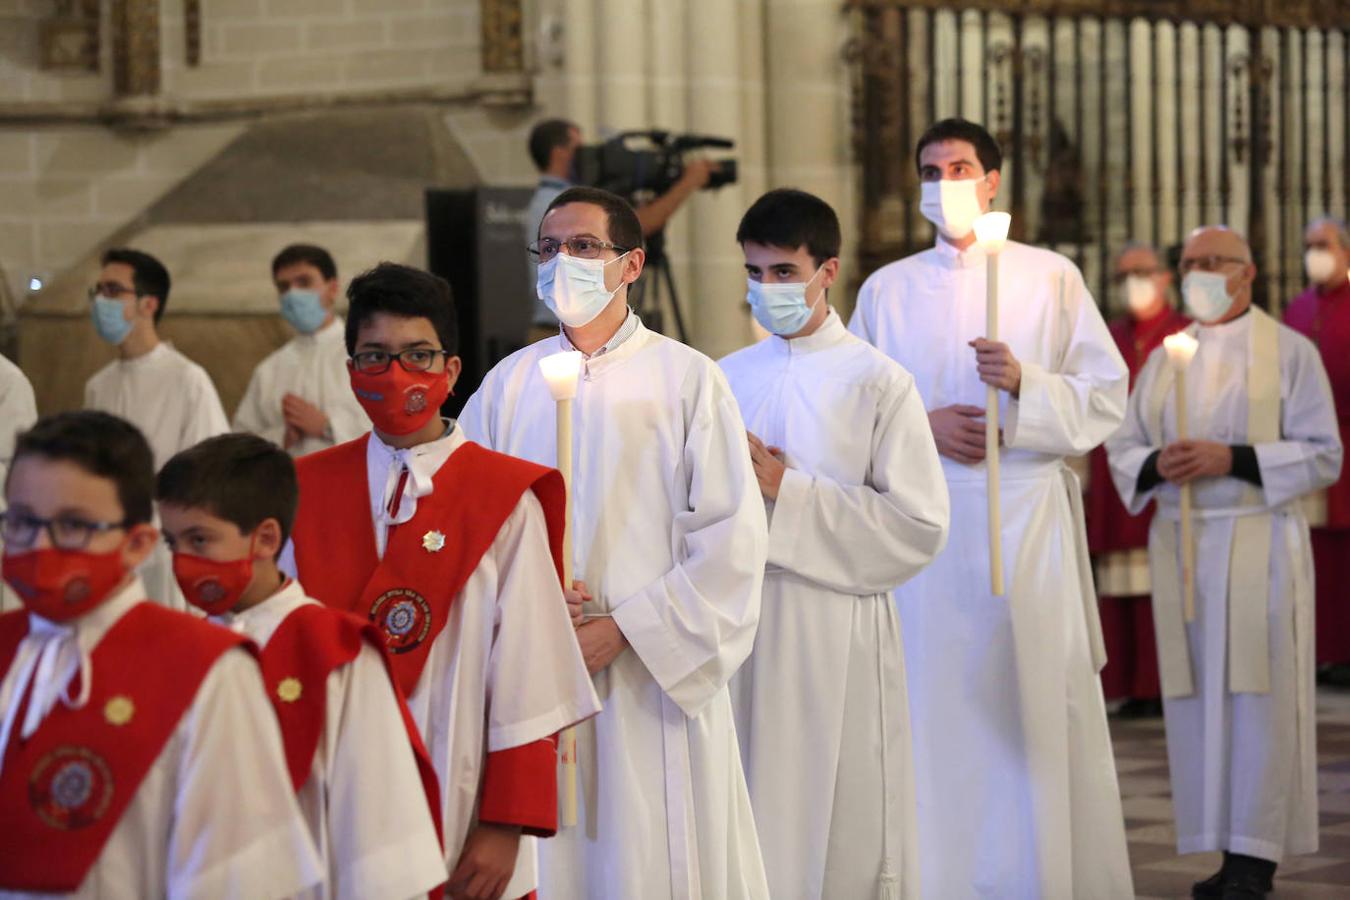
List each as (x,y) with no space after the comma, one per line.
(991,230)
(1180,348)
(561,371)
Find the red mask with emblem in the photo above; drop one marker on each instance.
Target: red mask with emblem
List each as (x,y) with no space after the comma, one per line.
(400,402)
(61,585)
(211,586)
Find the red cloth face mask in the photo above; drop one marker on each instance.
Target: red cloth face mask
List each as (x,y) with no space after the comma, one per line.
(213,587)
(400,402)
(61,585)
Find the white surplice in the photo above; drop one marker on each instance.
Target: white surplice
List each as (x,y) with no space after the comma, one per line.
(363,800)
(173,402)
(1243,765)
(314,368)
(1017,789)
(18,412)
(669,535)
(215,815)
(821,704)
(506,670)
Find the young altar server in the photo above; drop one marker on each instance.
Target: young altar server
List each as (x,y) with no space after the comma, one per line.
(167,396)
(857,505)
(227,506)
(298,397)
(138,754)
(1017,789)
(670,542)
(1261,431)
(454,553)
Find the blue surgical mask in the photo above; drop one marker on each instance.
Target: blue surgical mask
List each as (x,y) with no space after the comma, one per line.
(1206,295)
(304,310)
(781,308)
(574,288)
(110,320)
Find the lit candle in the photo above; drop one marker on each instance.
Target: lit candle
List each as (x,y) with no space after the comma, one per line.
(561,372)
(991,231)
(1180,349)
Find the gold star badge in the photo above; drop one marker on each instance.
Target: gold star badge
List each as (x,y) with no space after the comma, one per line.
(289,690)
(119,710)
(433,541)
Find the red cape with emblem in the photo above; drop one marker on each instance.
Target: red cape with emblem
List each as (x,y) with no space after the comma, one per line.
(427,560)
(305,649)
(64,789)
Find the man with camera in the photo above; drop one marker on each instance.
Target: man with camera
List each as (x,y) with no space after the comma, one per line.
(553,147)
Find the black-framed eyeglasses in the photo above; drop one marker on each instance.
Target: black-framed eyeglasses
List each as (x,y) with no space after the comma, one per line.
(580,247)
(21,529)
(112,290)
(414,359)
(1208,263)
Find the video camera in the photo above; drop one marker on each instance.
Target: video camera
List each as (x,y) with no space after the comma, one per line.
(653,167)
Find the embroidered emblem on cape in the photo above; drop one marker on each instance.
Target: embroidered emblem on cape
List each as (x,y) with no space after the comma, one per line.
(403,617)
(119,710)
(433,541)
(415,402)
(289,690)
(70,787)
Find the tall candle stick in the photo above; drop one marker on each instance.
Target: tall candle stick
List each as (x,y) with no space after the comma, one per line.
(1180,348)
(991,230)
(561,371)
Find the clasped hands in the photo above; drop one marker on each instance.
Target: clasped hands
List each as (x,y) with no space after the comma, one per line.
(600,639)
(958,430)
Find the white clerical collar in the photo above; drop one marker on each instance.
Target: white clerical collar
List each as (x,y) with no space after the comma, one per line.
(149,358)
(830,332)
(422,463)
(333,331)
(961,259)
(261,621)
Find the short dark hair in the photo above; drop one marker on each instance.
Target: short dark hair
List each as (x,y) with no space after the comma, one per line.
(102,445)
(625,231)
(241,478)
(547,135)
(790,218)
(405,292)
(986,148)
(148,275)
(317,257)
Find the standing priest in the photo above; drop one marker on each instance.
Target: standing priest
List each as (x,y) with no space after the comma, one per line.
(1017,790)
(1238,679)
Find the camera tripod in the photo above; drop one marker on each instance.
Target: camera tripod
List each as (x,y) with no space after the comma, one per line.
(647,303)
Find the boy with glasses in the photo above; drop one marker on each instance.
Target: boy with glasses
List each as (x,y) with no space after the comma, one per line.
(453,552)
(138,754)
(163,393)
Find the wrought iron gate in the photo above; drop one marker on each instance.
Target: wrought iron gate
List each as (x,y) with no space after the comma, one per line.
(1120,120)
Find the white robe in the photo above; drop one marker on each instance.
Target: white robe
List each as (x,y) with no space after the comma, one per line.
(821,703)
(670,537)
(313,367)
(363,801)
(215,815)
(506,670)
(173,402)
(18,412)
(1016,782)
(1243,765)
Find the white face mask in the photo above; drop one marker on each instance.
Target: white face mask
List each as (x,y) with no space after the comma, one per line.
(1207,296)
(574,288)
(1140,294)
(952,206)
(781,308)
(1321,265)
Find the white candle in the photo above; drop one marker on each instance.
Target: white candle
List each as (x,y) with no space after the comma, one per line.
(561,371)
(991,231)
(1180,349)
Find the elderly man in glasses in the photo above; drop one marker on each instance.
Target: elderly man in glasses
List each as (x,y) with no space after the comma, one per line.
(1237,677)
